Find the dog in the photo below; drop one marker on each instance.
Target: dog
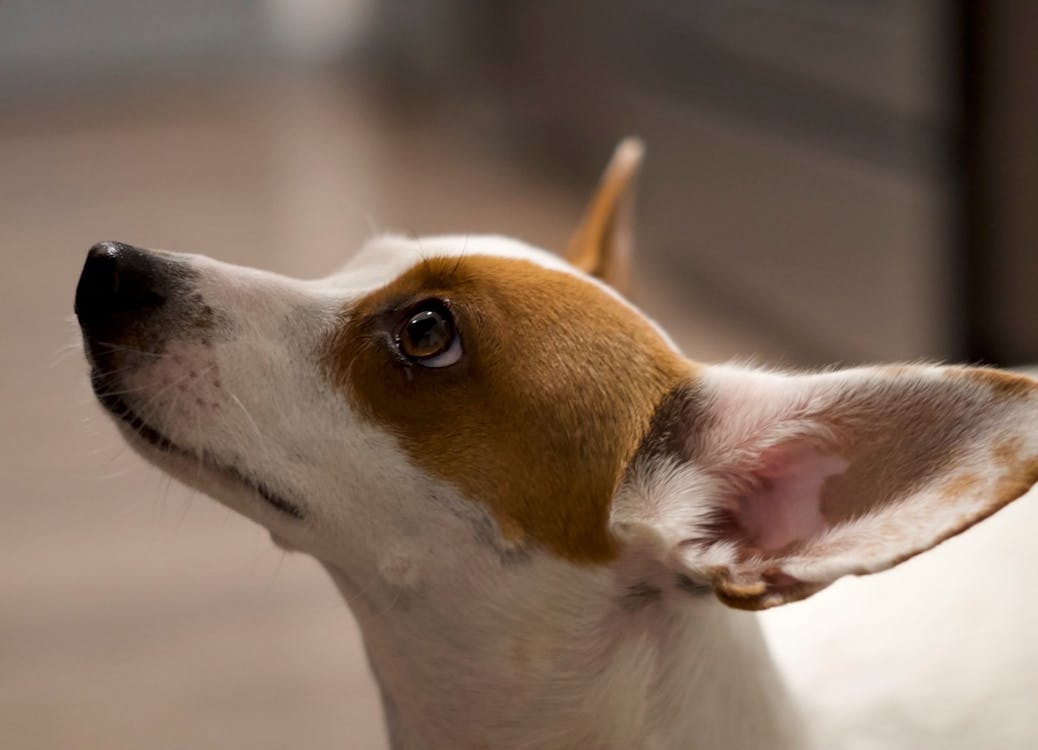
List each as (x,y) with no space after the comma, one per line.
(550,524)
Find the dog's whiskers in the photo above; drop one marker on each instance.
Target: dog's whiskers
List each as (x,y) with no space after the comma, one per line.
(64,352)
(277,570)
(245,411)
(109,373)
(145,409)
(263,444)
(112,347)
(115,474)
(188,503)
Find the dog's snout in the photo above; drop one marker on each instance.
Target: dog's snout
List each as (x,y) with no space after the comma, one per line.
(117,280)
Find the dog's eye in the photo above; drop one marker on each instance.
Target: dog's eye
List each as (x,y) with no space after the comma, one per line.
(429,336)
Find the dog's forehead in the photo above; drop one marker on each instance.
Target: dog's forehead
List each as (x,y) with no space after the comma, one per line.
(386,257)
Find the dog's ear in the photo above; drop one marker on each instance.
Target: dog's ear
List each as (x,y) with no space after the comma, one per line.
(769,487)
(603,243)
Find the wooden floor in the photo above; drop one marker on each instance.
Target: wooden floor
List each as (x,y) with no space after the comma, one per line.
(134,614)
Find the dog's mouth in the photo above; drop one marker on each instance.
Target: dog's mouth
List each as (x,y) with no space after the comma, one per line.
(118,408)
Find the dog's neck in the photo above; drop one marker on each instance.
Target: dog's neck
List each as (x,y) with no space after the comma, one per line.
(551,655)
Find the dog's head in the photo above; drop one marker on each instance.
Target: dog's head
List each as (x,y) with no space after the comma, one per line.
(462,403)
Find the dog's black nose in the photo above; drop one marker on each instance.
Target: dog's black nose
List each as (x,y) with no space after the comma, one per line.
(117,279)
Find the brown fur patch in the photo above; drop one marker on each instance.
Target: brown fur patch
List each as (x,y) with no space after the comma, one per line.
(959,485)
(1020,473)
(556,386)
(1003,384)
(777,587)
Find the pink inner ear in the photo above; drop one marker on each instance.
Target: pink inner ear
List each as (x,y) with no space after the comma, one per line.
(785,506)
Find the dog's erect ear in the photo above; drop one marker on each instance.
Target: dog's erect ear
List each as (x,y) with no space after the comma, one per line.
(603,242)
(769,487)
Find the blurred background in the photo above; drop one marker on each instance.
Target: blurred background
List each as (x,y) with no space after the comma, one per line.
(826,182)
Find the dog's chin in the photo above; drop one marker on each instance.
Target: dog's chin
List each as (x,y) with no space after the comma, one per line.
(226,484)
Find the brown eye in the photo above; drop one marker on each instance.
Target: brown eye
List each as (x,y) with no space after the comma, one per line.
(429,337)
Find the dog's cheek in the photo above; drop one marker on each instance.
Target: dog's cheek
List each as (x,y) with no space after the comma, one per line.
(180,390)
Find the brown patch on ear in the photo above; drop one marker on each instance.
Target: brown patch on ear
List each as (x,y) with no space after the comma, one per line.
(776,588)
(539,418)
(602,245)
(959,485)
(1002,383)
(740,591)
(1020,473)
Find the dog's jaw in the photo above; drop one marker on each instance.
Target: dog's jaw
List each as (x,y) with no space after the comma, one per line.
(193,469)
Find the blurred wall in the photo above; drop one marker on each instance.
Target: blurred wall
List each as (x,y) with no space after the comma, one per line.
(61,42)
(854,177)
(800,168)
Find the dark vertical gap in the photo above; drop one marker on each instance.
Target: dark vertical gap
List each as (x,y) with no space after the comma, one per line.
(971,220)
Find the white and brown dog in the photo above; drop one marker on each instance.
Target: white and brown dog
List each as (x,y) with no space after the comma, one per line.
(547,520)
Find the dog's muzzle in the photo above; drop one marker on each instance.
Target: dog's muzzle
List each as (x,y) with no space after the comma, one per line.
(133,305)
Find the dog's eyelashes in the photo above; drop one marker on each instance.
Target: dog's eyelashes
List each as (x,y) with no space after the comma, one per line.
(429,336)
